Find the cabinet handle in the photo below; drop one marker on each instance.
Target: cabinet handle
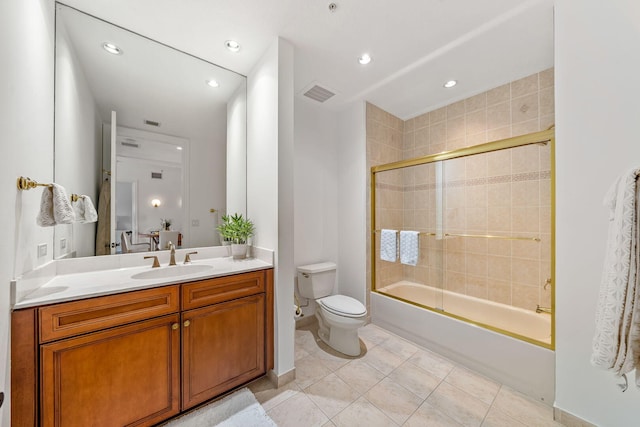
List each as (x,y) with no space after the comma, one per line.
(187,323)
(175,326)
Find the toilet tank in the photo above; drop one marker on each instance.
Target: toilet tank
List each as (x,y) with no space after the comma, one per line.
(316,280)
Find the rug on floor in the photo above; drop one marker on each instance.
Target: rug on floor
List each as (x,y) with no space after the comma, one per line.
(240,409)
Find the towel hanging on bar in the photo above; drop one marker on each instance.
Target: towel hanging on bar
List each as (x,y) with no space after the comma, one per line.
(409,247)
(388,245)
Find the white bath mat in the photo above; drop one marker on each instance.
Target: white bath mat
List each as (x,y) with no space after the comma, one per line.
(240,409)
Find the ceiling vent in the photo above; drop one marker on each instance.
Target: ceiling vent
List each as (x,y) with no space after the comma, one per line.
(156,175)
(151,123)
(318,93)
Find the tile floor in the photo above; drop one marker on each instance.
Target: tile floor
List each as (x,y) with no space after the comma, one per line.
(394,383)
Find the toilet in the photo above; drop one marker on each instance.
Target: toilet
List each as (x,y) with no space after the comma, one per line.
(339,316)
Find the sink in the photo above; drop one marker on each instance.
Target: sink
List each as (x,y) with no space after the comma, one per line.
(172,271)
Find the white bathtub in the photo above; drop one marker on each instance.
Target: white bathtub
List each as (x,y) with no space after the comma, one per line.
(526,323)
(526,367)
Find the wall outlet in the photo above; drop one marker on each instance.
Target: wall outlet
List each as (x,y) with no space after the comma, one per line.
(63,244)
(195,223)
(42,250)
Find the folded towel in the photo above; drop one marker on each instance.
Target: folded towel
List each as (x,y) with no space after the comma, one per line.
(62,210)
(409,247)
(45,216)
(388,245)
(90,213)
(84,210)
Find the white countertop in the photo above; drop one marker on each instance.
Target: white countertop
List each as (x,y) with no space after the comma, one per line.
(87,284)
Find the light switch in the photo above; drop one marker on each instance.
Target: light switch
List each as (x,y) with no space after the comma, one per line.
(195,223)
(42,250)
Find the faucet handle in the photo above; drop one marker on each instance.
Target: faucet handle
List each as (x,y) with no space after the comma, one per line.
(187,258)
(156,263)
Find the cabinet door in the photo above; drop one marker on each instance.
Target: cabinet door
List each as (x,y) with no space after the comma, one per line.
(223,346)
(126,376)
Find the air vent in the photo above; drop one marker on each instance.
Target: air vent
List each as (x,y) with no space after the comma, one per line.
(151,123)
(318,93)
(156,175)
(130,144)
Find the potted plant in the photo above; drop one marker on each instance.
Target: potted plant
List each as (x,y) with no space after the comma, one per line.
(236,229)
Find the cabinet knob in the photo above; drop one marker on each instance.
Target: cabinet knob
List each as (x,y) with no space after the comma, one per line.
(187,323)
(175,326)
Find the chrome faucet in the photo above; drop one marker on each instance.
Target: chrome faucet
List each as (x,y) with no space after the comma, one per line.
(542,309)
(172,248)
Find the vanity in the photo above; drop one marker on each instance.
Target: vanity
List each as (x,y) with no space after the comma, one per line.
(153,344)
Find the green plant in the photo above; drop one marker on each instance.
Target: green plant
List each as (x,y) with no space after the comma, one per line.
(235,228)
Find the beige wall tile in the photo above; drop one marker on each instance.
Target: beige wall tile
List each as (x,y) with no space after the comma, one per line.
(499,163)
(476,196)
(499,291)
(499,115)
(408,142)
(454,220)
(438,133)
(456,127)
(454,170)
(476,220)
(528,249)
(499,94)
(476,122)
(455,197)
(547,121)
(524,108)
(499,133)
(525,271)
(499,219)
(525,193)
(454,144)
(421,121)
(439,115)
(477,265)
(455,261)
(476,166)
(525,220)
(546,78)
(477,286)
(476,139)
(455,282)
(547,103)
(409,125)
(422,137)
(499,194)
(525,159)
(477,102)
(499,268)
(456,109)
(524,86)
(524,296)
(524,128)
(478,246)
(499,247)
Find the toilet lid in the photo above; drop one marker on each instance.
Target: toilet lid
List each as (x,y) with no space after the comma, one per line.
(343,305)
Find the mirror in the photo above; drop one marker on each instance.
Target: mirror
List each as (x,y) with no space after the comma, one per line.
(144,134)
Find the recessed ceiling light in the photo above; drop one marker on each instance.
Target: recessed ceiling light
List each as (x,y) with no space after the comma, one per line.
(232,45)
(112,48)
(178,148)
(213,83)
(450,83)
(364,59)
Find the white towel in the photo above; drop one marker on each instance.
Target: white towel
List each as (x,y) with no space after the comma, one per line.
(409,247)
(84,210)
(388,245)
(616,342)
(55,207)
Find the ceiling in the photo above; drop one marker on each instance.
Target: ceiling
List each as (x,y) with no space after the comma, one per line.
(416,45)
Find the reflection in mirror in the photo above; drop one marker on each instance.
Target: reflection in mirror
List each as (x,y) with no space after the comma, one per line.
(142,132)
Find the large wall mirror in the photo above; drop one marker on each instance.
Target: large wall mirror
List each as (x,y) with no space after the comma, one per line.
(154,137)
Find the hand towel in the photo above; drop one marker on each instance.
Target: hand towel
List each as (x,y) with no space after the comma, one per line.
(62,210)
(409,247)
(388,245)
(45,216)
(84,210)
(616,342)
(90,213)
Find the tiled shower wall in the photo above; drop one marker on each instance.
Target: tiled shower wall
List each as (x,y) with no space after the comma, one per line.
(505,193)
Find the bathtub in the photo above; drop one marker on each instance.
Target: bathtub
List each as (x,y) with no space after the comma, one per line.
(521,365)
(518,321)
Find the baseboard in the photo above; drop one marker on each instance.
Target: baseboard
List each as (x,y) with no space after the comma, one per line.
(569,420)
(280,380)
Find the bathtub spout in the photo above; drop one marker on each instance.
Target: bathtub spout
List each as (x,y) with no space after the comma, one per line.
(543,309)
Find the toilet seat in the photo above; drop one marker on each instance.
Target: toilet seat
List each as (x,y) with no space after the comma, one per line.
(343,305)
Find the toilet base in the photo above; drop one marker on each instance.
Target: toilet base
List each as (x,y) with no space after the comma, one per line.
(345,341)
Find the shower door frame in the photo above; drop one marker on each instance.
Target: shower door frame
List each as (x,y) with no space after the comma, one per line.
(542,137)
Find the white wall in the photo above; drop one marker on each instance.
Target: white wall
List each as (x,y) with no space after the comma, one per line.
(269,180)
(78,142)
(237,152)
(26,120)
(352,202)
(597,87)
(315,187)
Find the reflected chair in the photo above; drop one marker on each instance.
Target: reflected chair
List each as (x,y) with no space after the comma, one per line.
(166,237)
(128,247)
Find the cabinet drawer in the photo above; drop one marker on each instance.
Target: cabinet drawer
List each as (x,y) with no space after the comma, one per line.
(79,317)
(212,291)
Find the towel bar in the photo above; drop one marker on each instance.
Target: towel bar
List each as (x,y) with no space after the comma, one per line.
(24,183)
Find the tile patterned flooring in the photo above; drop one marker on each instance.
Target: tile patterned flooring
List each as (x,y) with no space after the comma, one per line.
(394,383)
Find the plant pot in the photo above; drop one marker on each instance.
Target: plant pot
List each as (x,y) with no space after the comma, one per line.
(239,250)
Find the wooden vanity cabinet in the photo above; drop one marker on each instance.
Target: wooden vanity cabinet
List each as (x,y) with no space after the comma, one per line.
(141,357)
